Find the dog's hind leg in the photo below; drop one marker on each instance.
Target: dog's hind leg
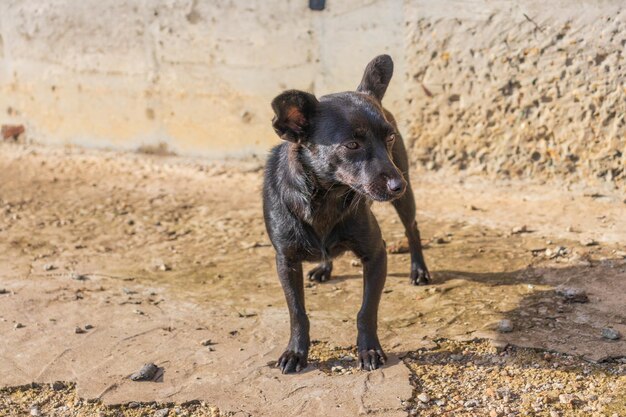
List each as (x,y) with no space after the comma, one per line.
(321,273)
(405,206)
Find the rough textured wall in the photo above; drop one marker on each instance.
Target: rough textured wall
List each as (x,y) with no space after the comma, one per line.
(519,88)
(197,75)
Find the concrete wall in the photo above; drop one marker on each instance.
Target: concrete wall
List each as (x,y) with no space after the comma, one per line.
(197,75)
(502,87)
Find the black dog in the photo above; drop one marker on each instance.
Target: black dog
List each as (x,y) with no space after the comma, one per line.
(340,153)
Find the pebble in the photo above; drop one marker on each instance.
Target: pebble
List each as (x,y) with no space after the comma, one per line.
(88,326)
(611,334)
(470,404)
(146,373)
(519,230)
(79,330)
(58,386)
(18,326)
(208,342)
(163,267)
(356,263)
(505,326)
(133,404)
(163,412)
(4,291)
(49,267)
(35,411)
(78,277)
(566,398)
(588,242)
(572,294)
(423,397)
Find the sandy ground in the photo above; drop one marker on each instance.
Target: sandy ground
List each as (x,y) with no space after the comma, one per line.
(167,261)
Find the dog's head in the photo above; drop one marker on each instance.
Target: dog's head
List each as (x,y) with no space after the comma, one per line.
(346,137)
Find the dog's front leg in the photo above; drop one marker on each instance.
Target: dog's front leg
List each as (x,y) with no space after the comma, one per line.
(295,356)
(371,354)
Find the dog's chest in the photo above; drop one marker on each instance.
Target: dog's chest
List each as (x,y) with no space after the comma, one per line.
(328,210)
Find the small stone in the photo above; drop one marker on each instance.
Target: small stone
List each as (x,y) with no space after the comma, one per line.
(78,277)
(3,291)
(208,342)
(440,241)
(423,397)
(505,326)
(572,294)
(35,411)
(470,404)
(399,247)
(88,326)
(440,402)
(163,267)
(588,242)
(566,398)
(356,263)
(58,386)
(493,413)
(163,412)
(519,230)
(139,312)
(611,334)
(146,373)
(49,267)
(18,326)
(554,414)
(133,404)
(79,330)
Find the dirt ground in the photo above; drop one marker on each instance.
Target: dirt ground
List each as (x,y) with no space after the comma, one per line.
(165,260)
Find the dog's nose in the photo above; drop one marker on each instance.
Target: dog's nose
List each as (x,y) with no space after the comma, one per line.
(396,185)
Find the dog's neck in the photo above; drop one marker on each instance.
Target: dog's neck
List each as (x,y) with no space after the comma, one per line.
(314,200)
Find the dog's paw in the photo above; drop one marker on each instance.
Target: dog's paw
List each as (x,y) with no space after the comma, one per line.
(320,273)
(291,361)
(371,359)
(420,276)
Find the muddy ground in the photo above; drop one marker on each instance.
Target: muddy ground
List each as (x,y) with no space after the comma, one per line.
(165,260)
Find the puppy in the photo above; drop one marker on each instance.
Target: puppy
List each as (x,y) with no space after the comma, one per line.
(340,153)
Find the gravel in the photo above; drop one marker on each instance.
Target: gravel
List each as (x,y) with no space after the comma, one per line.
(520,382)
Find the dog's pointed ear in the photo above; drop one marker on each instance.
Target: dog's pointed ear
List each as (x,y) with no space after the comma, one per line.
(294,111)
(377,76)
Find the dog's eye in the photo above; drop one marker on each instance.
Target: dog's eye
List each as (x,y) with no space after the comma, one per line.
(352,145)
(391,138)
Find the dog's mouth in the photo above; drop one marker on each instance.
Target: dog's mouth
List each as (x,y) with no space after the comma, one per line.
(376,194)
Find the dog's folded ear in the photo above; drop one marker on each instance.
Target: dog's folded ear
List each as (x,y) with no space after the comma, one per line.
(377,76)
(294,111)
